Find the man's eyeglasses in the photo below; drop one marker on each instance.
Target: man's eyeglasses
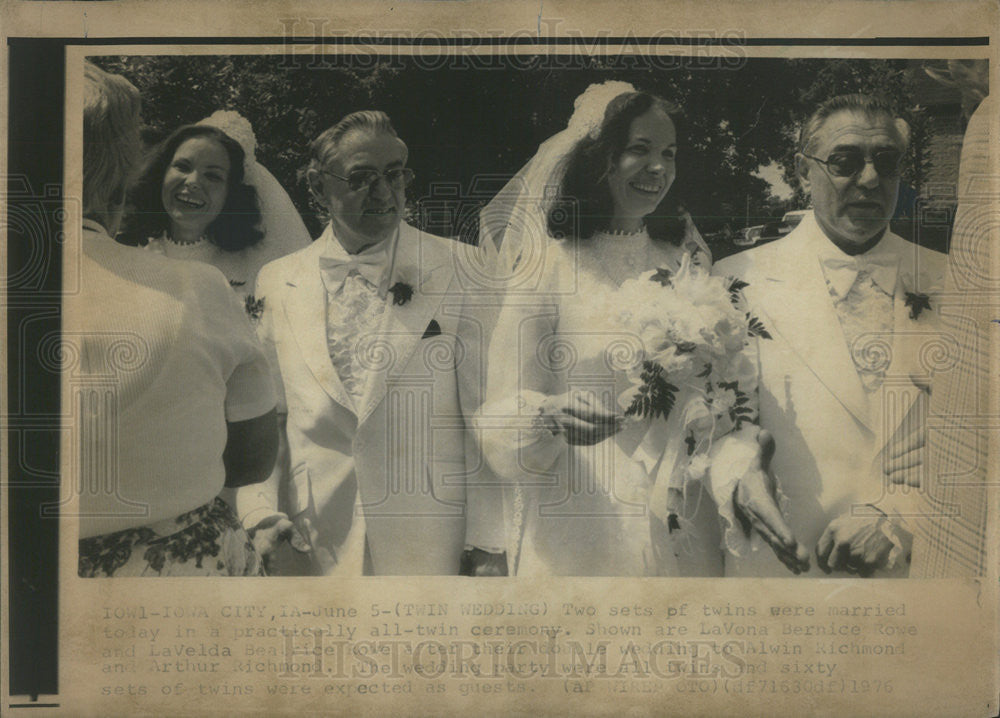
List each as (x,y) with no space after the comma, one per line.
(397,177)
(848,163)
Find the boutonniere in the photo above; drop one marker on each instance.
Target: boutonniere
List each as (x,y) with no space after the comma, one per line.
(254,307)
(917,302)
(401,293)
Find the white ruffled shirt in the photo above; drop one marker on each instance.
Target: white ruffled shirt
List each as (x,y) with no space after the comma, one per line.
(353,312)
(864,307)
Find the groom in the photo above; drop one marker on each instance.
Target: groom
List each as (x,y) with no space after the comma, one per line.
(376,366)
(841,381)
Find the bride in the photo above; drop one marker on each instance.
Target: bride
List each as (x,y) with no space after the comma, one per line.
(586,496)
(203,196)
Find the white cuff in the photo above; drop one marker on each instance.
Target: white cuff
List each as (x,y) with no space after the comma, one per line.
(255,516)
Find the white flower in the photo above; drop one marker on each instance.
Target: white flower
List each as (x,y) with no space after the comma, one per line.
(688,327)
(697,467)
(678,366)
(588,108)
(723,400)
(236,126)
(698,417)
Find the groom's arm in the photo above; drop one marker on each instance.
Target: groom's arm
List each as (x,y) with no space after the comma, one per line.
(257,505)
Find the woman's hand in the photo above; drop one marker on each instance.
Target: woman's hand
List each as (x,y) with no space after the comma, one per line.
(581,418)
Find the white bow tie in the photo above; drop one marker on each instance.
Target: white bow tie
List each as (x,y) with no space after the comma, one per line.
(842,272)
(334,270)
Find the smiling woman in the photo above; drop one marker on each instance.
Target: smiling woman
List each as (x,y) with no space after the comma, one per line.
(192,189)
(619,176)
(202,196)
(558,413)
(195,188)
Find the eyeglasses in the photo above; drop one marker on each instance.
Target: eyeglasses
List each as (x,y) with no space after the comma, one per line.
(397,177)
(848,163)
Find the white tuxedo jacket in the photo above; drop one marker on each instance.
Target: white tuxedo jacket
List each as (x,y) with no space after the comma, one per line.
(829,431)
(396,467)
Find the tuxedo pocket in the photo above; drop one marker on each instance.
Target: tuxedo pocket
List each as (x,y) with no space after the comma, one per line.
(433,329)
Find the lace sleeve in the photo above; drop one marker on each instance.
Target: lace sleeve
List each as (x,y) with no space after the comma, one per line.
(515,438)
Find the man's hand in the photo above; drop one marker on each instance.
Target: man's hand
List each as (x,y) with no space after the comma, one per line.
(269,533)
(756,508)
(479,563)
(580,417)
(854,544)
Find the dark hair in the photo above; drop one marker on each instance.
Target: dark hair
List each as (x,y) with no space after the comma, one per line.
(868,105)
(236,227)
(583,204)
(322,149)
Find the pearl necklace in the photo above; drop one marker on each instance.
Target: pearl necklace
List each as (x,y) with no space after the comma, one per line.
(179,243)
(622,232)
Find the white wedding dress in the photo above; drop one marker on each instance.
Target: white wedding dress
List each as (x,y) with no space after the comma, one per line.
(583,510)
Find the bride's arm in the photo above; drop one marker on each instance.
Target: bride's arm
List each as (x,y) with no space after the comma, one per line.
(516,436)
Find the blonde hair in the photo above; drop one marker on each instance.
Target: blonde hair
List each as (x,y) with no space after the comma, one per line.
(111,145)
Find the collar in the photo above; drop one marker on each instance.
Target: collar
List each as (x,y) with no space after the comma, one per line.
(92,225)
(375,263)
(333,249)
(841,269)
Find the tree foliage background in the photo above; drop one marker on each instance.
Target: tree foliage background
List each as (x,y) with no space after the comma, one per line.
(469,127)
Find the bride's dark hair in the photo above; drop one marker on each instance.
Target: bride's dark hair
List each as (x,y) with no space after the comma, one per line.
(236,227)
(583,205)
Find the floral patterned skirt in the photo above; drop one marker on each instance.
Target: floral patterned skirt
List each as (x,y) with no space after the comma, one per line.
(207,541)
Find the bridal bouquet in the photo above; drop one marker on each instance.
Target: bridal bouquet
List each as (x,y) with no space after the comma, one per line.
(690,374)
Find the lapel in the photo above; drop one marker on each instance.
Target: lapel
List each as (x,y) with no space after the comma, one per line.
(305,309)
(905,374)
(793,293)
(427,267)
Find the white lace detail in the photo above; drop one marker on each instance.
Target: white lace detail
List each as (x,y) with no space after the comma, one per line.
(352,313)
(237,127)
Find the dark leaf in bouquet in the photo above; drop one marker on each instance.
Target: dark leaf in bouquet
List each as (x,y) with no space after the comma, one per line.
(756,328)
(734,288)
(685,347)
(655,397)
(741,411)
(705,372)
(689,440)
(662,277)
